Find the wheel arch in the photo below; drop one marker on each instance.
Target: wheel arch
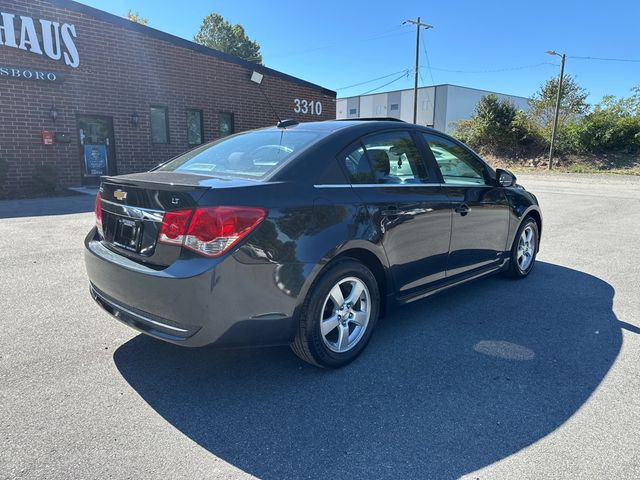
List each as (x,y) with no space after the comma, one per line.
(363,252)
(537,217)
(535,214)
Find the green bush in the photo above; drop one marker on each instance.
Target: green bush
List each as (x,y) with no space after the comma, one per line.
(498,128)
(612,126)
(606,129)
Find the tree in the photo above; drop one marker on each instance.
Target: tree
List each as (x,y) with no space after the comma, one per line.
(572,105)
(135,17)
(498,127)
(216,32)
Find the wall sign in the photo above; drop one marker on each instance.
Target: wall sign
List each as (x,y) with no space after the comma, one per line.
(47,137)
(41,37)
(307,107)
(95,159)
(30,74)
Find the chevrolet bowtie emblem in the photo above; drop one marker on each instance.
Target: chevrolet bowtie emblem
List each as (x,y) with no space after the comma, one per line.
(120,194)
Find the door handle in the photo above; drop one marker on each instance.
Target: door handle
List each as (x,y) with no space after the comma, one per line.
(463,209)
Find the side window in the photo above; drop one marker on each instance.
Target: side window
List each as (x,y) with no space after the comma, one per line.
(357,165)
(456,164)
(394,158)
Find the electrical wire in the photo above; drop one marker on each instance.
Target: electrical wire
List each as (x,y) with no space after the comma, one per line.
(507,69)
(627,60)
(372,80)
(393,32)
(429,69)
(386,84)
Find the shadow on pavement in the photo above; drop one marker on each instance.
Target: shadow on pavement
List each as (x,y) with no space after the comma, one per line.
(38,207)
(446,386)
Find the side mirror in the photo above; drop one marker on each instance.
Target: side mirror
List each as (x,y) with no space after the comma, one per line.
(504,178)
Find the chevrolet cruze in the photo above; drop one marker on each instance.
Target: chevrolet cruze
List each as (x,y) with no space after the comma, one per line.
(303,235)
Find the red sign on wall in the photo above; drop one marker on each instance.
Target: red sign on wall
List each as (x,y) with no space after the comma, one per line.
(47,137)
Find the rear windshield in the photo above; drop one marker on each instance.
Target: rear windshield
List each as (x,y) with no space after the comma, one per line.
(252,154)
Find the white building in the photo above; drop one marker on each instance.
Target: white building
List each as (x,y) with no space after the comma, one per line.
(439,106)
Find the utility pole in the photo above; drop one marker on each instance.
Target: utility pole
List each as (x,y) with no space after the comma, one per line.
(558,99)
(418,25)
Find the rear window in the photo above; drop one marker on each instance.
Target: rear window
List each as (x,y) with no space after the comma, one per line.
(252,154)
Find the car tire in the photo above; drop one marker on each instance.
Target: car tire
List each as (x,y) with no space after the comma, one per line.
(524,250)
(338,316)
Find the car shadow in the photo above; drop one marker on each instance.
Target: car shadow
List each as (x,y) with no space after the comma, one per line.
(446,386)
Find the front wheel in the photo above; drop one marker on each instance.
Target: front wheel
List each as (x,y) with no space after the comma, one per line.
(524,249)
(338,316)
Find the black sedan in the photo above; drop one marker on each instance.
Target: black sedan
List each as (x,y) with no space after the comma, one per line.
(303,234)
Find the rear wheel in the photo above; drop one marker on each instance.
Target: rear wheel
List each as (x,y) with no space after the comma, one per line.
(524,249)
(338,316)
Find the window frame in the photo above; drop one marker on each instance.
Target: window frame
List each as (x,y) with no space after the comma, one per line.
(426,174)
(166,124)
(487,171)
(233,123)
(342,156)
(201,113)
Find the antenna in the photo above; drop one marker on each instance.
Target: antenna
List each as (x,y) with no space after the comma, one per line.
(256,77)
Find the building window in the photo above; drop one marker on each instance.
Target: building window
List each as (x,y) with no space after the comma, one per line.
(159,117)
(353,111)
(394,107)
(195,131)
(225,124)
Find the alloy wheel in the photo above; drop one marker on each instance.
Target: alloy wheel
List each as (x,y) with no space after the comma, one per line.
(345,314)
(526,248)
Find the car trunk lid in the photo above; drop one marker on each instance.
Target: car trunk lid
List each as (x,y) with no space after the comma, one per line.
(133,207)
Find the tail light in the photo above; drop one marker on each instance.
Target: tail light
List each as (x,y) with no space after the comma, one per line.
(174,227)
(211,231)
(98,212)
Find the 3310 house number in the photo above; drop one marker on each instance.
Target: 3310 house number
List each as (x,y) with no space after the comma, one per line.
(306,106)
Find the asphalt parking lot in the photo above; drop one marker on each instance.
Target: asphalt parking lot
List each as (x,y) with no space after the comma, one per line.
(497,379)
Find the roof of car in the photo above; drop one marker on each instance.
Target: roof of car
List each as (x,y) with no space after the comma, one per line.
(329,126)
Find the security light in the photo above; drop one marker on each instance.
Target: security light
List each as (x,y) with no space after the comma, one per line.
(256,77)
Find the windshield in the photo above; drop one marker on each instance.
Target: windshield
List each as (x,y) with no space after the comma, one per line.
(252,154)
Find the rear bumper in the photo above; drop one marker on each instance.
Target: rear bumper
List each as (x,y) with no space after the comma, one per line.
(196,301)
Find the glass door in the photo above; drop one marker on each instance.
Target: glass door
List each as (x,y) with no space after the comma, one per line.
(97,148)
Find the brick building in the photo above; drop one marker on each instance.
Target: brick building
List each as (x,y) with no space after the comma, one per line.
(84,93)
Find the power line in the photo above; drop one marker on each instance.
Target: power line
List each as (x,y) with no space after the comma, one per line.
(373,80)
(627,60)
(405,74)
(429,69)
(506,69)
(393,32)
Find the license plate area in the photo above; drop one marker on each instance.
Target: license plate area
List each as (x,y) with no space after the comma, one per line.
(127,234)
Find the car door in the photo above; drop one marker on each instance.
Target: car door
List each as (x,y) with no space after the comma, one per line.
(480,211)
(408,206)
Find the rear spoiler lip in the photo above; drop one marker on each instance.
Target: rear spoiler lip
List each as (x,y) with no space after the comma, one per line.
(198,182)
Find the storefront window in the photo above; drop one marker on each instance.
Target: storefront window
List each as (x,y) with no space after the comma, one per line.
(159,117)
(225,123)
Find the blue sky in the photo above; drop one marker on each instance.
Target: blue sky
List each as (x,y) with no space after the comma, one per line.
(491,45)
